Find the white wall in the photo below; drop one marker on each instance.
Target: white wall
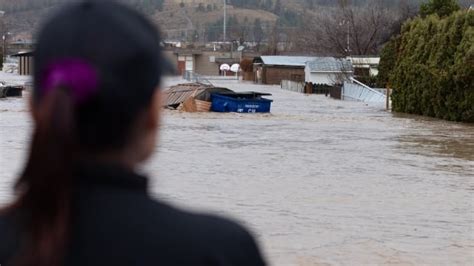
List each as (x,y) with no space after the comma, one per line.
(323,78)
(293,86)
(329,78)
(307,74)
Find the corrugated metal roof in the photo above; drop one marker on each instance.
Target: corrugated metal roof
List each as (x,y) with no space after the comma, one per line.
(23,53)
(277,60)
(330,64)
(179,93)
(176,95)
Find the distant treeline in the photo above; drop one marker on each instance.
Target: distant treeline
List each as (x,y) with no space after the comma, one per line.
(24,5)
(269,4)
(430,66)
(360,3)
(27,5)
(276,6)
(260,4)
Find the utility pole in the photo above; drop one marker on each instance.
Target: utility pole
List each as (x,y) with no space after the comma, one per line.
(348,38)
(388,98)
(2,14)
(348,35)
(4,49)
(225,20)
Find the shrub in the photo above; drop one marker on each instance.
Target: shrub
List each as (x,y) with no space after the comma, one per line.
(430,66)
(246,65)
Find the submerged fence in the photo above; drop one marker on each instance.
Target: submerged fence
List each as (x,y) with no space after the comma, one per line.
(352,90)
(293,86)
(357,91)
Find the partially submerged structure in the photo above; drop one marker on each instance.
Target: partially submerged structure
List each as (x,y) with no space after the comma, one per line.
(322,75)
(11,91)
(241,102)
(274,69)
(191,97)
(204,62)
(198,97)
(365,66)
(25,64)
(328,71)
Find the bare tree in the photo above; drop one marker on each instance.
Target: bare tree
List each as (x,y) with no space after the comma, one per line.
(347,30)
(257,32)
(273,40)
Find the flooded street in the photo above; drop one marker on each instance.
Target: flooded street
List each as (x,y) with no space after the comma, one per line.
(319,181)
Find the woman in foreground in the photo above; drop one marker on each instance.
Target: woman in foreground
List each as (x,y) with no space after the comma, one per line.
(96,108)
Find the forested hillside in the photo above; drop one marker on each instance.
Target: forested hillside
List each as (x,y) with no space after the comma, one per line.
(268,5)
(342,26)
(26,5)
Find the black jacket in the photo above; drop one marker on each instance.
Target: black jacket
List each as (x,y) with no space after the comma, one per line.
(116,222)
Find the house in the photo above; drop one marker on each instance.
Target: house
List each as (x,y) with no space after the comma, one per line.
(204,62)
(328,71)
(25,65)
(365,66)
(19,46)
(274,69)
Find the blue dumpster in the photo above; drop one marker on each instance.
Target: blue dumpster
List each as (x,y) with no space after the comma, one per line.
(240,102)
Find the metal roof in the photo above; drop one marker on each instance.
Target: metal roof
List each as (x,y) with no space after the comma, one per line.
(278,60)
(179,93)
(330,64)
(176,95)
(23,53)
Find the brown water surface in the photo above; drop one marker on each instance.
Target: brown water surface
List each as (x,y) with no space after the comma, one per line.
(319,181)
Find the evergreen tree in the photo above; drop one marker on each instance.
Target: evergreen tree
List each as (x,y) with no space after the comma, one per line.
(434,70)
(200,8)
(277,9)
(441,7)
(388,59)
(257,32)
(268,4)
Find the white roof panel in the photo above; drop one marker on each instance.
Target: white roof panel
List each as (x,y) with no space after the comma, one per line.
(277,60)
(330,64)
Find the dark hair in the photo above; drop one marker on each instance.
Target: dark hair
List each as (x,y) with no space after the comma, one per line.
(45,185)
(120,64)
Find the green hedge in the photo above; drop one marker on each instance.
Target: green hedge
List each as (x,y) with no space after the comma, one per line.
(430,67)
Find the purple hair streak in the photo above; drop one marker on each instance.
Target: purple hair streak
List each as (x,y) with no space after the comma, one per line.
(77,75)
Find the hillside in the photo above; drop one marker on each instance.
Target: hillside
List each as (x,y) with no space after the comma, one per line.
(176,18)
(194,20)
(178,21)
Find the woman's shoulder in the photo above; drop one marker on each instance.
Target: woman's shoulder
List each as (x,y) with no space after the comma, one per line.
(8,235)
(217,226)
(225,239)
(184,236)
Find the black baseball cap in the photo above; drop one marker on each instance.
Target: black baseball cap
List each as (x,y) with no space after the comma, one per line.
(122,46)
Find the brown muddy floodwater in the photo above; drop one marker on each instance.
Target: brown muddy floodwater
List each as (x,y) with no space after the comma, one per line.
(319,181)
